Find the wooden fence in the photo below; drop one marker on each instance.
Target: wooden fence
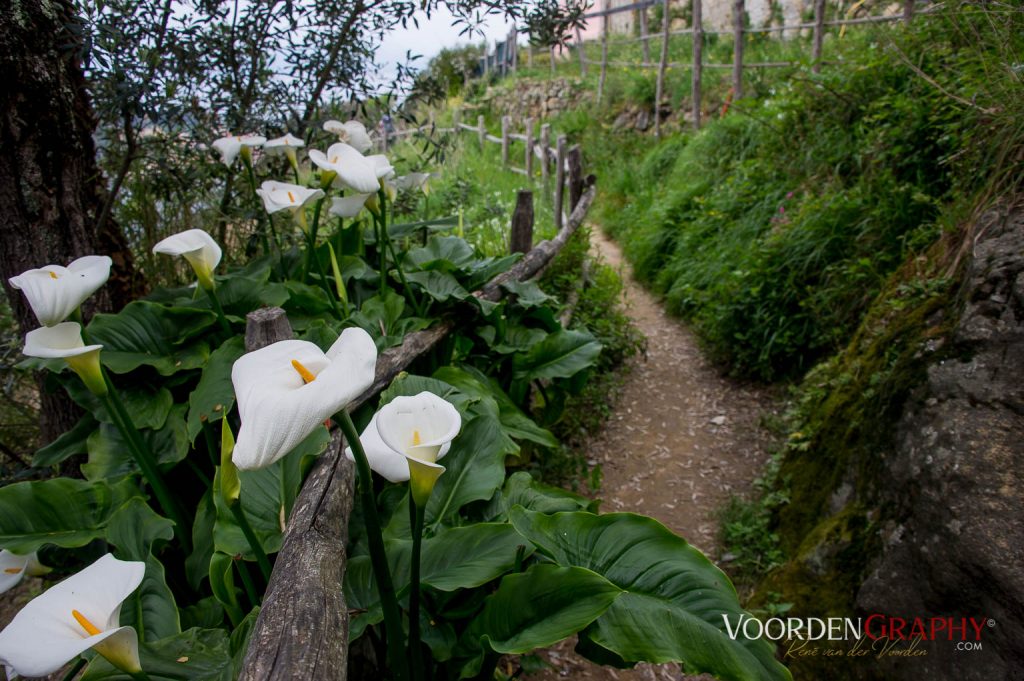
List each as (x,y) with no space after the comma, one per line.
(696,29)
(301,632)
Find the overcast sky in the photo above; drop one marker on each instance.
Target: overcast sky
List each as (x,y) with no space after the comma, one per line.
(433,35)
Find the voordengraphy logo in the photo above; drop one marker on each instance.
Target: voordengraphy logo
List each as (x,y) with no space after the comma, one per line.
(878,634)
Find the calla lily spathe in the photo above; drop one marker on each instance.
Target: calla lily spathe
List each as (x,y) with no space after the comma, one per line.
(287,389)
(14,567)
(414,181)
(233,145)
(348,206)
(54,292)
(278,196)
(81,612)
(285,145)
(64,341)
(352,133)
(352,168)
(416,431)
(199,248)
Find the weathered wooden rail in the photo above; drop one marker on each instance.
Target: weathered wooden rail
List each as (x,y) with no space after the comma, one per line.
(301,632)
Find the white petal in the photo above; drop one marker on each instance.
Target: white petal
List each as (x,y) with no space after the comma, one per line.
(62,340)
(279,144)
(432,418)
(383,460)
(353,168)
(228,147)
(194,244)
(12,569)
(358,137)
(348,206)
(280,195)
(54,299)
(44,635)
(278,410)
(381,166)
(252,140)
(334,127)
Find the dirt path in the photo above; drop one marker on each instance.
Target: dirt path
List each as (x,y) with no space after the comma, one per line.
(681,441)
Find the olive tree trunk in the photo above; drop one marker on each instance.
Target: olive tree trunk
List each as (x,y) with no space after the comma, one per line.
(51,190)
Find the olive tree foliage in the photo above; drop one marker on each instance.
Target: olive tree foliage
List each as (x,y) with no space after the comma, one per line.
(169,76)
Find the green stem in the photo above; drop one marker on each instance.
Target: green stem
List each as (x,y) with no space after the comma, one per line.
(382,252)
(259,208)
(147,463)
(250,588)
(81,662)
(331,295)
(254,543)
(221,318)
(311,252)
(378,558)
(387,245)
(416,514)
(139,675)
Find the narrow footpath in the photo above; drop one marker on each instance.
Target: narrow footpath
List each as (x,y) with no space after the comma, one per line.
(681,441)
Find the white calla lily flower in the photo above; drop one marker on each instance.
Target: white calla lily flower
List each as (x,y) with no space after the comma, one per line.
(352,133)
(54,292)
(81,612)
(287,389)
(418,430)
(285,145)
(352,168)
(381,167)
(348,206)
(14,567)
(233,145)
(64,341)
(278,196)
(414,181)
(198,248)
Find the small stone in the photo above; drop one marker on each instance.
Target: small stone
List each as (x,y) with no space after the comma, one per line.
(719,420)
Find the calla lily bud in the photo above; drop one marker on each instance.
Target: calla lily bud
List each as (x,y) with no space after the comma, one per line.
(199,249)
(64,341)
(81,612)
(339,283)
(230,484)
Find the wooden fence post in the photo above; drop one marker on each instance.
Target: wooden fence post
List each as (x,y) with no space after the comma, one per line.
(662,64)
(551,60)
(529,149)
(559,181)
(481,131)
(908,11)
(819,35)
(521,238)
(604,51)
(302,629)
(529,55)
(504,141)
(581,53)
(545,142)
(698,60)
(643,32)
(737,50)
(513,41)
(575,162)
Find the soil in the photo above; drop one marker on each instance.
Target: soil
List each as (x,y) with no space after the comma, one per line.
(682,440)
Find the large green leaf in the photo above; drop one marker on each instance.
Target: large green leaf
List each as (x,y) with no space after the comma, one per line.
(146,333)
(528,293)
(475,468)
(443,253)
(560,355)
(522,490)
(68,444)
(151,609)
(109,455)
(517,424)
(63,512)
(197,565)
(675,599)
(193,655)
(214,396)
(148,405)
(441,286)
(538,608)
